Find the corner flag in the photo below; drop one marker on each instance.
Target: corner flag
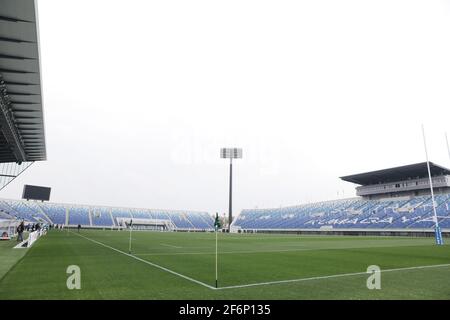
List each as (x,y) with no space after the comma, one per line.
(217,222)
(216,228)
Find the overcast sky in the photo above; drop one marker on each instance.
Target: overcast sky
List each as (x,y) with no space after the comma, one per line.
(139,96)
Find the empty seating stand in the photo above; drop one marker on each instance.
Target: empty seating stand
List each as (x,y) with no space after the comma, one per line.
(414,214)
(99,216)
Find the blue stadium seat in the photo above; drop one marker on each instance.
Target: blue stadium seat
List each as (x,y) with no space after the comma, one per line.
(23,210)
(79,216)
(96,216)
(413,213)
(101,217)
(56,213)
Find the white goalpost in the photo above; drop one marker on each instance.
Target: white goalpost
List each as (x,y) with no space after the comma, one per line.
(437,230)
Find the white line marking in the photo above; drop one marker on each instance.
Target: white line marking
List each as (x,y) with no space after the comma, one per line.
(169,245)
(275,250)
(260,283)
(329,277)
(147,262)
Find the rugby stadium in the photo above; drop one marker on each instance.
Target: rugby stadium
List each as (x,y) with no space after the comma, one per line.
(395,228)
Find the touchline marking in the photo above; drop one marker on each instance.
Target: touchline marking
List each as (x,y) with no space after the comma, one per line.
(147,262)
(271,251)
(213,252)
(169,245)
(329,277)
(260,283)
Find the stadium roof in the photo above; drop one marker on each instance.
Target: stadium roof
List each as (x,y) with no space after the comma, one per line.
(418,170)
(22,135)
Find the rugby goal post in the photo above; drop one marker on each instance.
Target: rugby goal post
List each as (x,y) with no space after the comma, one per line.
(147,224)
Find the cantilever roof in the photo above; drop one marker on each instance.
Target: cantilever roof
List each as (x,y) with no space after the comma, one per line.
(22,135)
(418,170)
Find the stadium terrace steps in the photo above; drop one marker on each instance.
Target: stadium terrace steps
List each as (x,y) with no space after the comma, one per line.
(5,211)
(112,219)
(43,213)
(5,215)
(56,214)
(20,210)
(99,216)
(413,213)
(79,216)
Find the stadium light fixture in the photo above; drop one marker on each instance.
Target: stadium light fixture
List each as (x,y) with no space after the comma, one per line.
(230,153)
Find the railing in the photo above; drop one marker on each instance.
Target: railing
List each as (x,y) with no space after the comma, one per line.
(406,185)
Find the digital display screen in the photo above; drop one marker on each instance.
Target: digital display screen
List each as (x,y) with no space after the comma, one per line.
(36,193)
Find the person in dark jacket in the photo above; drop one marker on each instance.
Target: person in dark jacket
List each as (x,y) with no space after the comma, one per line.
(20,229)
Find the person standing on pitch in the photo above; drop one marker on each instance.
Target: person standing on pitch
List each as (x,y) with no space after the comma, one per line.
(79,227)
(20,229)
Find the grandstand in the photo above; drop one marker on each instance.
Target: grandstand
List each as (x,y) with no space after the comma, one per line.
(22,136)
(94,217)
(392,200)
(321,250)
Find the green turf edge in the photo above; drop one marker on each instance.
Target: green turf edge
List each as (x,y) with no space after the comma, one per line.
(15,263)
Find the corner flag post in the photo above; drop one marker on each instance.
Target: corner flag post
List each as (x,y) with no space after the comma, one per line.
(438,234)
(216,229)
(131,228)
(216,259)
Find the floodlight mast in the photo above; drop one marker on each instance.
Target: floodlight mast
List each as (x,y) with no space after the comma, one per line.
(230,153)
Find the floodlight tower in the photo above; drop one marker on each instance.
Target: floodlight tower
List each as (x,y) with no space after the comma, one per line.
(230,153)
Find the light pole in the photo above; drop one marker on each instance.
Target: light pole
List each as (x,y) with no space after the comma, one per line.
(230,153)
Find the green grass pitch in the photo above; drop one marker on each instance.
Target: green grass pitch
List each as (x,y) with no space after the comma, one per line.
(250,266)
